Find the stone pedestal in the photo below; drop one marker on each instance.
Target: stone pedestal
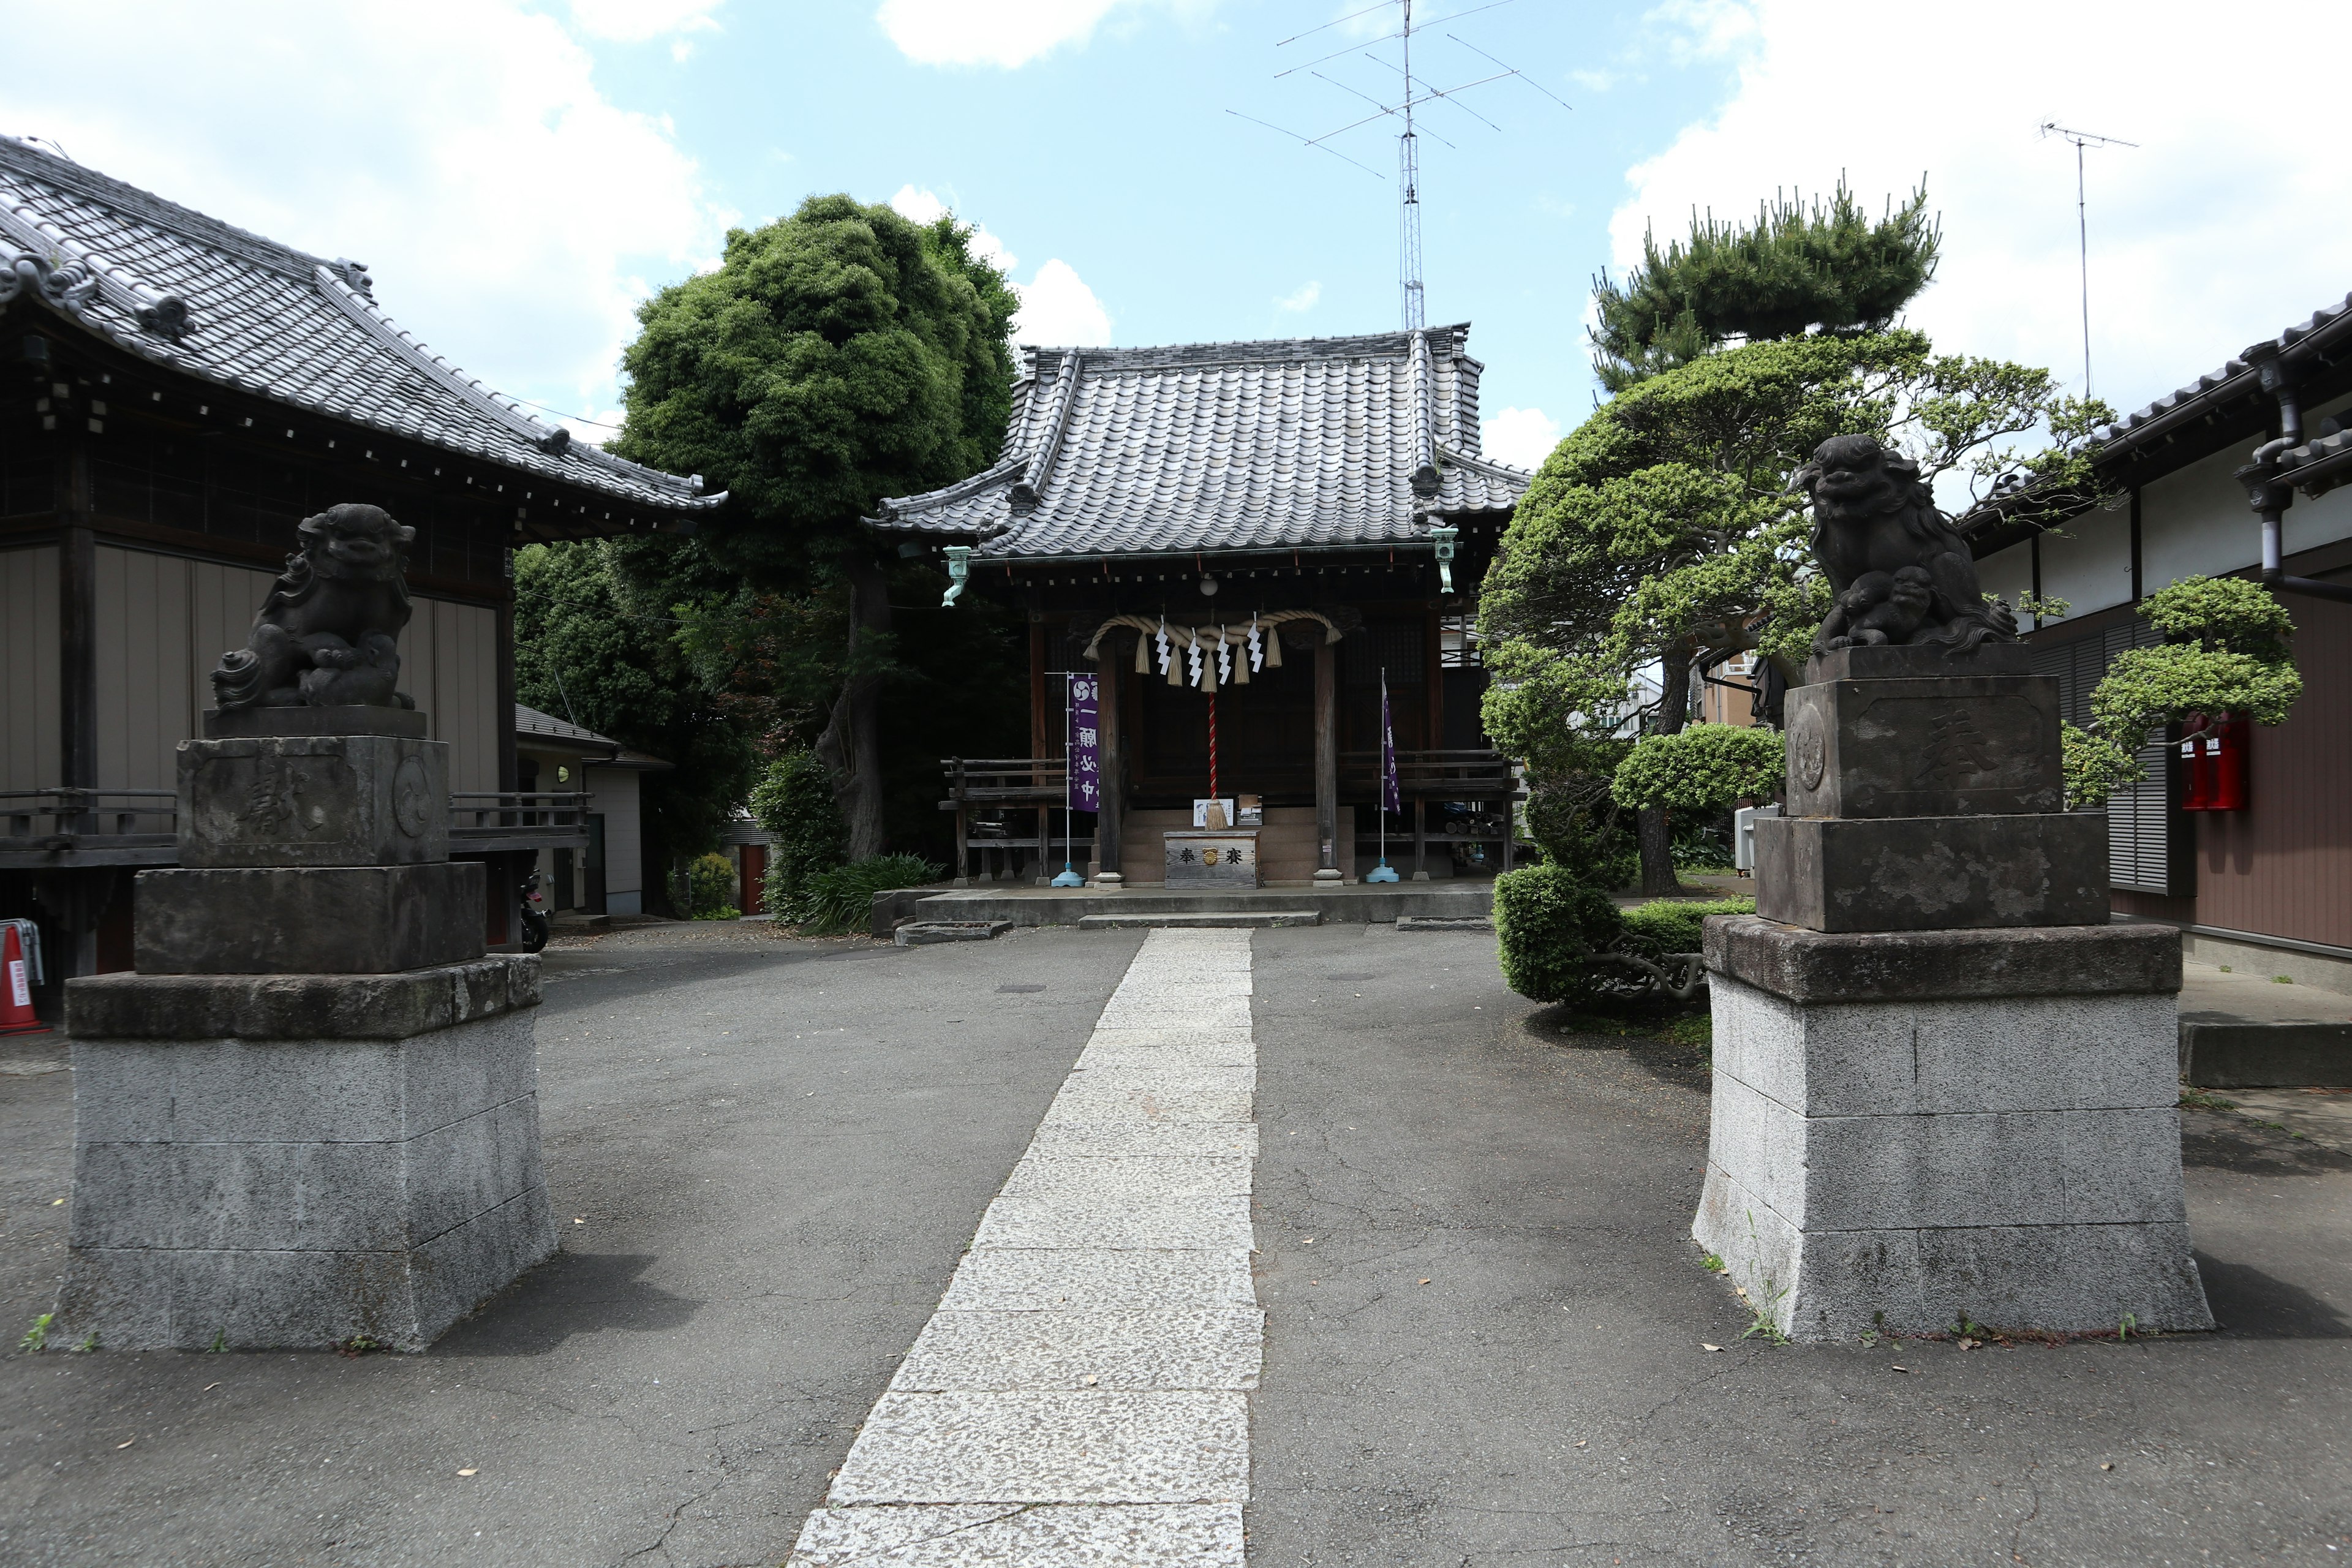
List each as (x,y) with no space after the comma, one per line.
(312,1113)
(1945,1086)
(1911,1128)
(291,1162)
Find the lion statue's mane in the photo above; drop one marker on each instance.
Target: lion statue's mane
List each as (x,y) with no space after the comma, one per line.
(1872,513)
(327,634)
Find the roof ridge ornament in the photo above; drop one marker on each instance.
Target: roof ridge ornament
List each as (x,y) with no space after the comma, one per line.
(68,285)
(354,275)
(167,317)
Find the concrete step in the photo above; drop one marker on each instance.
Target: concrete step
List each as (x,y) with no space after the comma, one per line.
(1351,905)
(1212,919)
(926,934)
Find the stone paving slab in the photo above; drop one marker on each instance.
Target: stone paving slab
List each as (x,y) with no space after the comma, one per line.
(1076,1350)
(1097,1343)
(1050,1447)
(1045,1176)
(1127,1140)
(1197,1221)
(1135,1535)
(1103,1278)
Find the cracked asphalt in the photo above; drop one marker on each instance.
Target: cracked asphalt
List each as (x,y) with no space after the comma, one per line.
(1486,1320)
(1487,1328)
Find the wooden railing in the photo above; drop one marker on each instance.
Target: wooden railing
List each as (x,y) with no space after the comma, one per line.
(485,821)
(1481,781)
(993,799)
(57,827)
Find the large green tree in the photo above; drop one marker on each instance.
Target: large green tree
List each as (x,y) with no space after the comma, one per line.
(1662,529)
(1827,266)
(591,649)
(835,357)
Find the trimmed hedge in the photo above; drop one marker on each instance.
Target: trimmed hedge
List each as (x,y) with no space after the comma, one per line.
(1546,923)
(1672,925)
(711,888)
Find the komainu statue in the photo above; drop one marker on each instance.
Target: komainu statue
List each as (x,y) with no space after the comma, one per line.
(327,634)
(1900,572)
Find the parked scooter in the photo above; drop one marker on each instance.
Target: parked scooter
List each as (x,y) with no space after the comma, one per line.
(533,911)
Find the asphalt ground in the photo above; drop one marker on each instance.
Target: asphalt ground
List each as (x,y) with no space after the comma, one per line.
(1486,1327)
(776,1153)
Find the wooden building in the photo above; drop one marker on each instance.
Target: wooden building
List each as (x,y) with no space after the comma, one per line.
(606,876)
(2268,888)
(175,395)
(1325,497)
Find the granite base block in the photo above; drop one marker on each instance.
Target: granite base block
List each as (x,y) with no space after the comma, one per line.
(290,1193)
(346,920)
(313,800)
(1960,746)
(1932,873)
(1898,1163)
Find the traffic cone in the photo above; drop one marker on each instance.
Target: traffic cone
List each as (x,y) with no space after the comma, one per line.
(16,1016)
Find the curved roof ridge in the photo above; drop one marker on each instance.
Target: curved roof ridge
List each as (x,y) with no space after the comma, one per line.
(1480,464)
(1041,462)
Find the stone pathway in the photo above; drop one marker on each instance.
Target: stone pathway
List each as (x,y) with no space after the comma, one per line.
(1080,1397)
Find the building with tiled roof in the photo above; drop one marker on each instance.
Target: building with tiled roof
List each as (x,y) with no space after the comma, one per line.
(176,395)
(1326,497)
(2239,472)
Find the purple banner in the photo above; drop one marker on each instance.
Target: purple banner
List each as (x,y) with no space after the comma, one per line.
(1086,742)
(1390,798)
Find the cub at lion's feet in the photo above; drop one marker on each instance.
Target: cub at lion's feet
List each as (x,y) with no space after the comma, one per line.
(1872,514)
(326,636)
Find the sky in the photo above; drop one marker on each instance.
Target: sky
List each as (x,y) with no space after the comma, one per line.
(519,174)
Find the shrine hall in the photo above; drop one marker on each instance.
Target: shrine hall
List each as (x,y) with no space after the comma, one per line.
(1237,554)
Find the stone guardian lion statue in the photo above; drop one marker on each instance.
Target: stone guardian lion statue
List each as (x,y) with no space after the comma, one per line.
(327,635)
(1874,522)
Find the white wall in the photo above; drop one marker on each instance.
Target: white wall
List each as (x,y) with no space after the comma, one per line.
(2088,562)
(2009,574)
(613,792)
(2196,522)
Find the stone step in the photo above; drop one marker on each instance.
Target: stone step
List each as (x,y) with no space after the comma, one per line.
(1215,919)
(926,933)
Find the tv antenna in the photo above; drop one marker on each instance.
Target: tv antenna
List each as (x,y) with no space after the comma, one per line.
(2081,140)
(1415,94)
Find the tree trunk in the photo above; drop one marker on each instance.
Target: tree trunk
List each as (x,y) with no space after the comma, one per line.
(1657,837)
(851,746)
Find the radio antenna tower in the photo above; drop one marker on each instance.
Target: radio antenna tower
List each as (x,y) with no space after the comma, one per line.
(1416,94)
(2082,139)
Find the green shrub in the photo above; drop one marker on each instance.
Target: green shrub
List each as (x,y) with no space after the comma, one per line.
(1702,769)
(842,899)
(711,888)
(793,801)
(1672,925)
(1571,822)
(1546,922)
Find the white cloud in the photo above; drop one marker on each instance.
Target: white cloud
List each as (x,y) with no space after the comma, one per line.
(1059,310)
(639,21)
(1007,34)
(1302,298)
(1522,438)
(2216,231)
(1596,82)
(511,216)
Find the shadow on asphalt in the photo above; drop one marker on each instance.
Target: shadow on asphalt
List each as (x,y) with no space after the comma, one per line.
(2250,1304)
(570,1294)
(1668,1061)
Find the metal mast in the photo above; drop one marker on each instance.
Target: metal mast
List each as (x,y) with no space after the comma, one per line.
(1409,177)
(2082,139)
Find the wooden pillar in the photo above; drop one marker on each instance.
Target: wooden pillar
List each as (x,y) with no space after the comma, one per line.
(1112,782)
(1433,681)
(1331,855)
(1419,839)
(1038,728)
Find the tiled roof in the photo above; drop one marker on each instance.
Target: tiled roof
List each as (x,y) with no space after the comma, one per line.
(193,293)
(539,726)
(1212,447)
(2236,377)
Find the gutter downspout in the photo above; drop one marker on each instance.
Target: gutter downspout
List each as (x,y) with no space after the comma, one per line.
(2268,493)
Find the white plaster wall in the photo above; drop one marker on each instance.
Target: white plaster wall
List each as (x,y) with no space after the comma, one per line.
(2009,574)
(2088,562)
(613,792)
(2196,522)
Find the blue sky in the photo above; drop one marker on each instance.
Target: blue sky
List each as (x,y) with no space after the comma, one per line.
(520,173)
